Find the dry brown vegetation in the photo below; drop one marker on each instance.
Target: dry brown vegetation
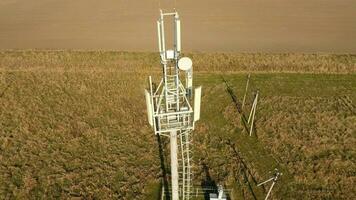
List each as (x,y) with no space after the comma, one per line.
(203,62)
(73,124)
(315,137)
(311,130)
(288,62)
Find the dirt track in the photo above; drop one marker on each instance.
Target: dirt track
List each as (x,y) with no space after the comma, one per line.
(209,25)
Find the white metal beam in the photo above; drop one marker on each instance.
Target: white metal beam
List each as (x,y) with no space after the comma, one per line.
(174,166)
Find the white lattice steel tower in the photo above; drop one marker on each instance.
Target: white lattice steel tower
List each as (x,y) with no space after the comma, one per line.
(168,106)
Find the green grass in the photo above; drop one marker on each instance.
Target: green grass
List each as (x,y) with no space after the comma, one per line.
(308,134)
(73,124)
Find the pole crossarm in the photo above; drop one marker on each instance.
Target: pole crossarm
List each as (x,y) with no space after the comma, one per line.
(273,179)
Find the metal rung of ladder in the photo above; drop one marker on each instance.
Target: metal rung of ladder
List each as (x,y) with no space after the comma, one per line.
(185,167)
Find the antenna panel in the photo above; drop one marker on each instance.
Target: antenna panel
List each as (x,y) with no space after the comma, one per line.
(149,107)
(197,101)
(178,35)
(159,32)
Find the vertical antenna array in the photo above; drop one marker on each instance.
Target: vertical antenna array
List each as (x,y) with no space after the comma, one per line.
(169,108)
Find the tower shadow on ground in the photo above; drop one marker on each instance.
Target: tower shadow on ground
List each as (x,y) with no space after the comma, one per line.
(208,184)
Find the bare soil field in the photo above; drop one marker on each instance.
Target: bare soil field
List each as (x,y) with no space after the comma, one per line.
(208,25)
(73,125)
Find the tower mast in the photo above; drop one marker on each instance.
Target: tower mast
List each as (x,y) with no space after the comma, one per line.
(168,106)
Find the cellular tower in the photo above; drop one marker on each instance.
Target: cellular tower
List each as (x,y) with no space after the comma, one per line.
(169,105)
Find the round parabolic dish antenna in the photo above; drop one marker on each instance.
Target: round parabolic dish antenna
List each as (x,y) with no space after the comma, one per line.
(185,63)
